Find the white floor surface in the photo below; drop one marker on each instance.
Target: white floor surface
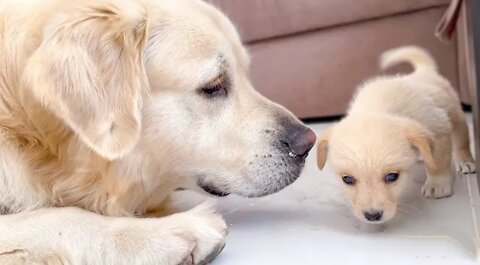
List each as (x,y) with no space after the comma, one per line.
(310,222)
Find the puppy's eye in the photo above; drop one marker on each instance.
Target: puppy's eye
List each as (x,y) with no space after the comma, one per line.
(391,177)
(218,90)
(349,180)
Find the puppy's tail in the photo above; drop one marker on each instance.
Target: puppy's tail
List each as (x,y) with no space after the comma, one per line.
(419,58)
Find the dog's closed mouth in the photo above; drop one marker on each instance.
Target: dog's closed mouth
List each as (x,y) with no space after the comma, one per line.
(214,190)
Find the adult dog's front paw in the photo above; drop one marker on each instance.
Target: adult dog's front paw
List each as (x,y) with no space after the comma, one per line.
(438,187)
(193,237)
(203,230)
(23,257)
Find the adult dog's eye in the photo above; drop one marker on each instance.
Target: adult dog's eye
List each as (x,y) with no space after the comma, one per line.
(391,177)
(218,90)
(349,180)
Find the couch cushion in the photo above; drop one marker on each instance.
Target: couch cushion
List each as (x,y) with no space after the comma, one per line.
(262,19)
(315,74)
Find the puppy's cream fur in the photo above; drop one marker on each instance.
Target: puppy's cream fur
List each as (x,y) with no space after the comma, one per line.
(102,108)
(389,120)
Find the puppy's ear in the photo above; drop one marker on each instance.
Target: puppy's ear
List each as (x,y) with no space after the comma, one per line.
(322,149)
(89,72)
(421,138)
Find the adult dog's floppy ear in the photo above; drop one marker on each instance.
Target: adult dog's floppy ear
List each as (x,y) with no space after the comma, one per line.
(421,138)
(89,72)
(322,149)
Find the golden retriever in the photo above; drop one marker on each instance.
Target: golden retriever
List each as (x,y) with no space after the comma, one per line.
(389,120)
(108,106)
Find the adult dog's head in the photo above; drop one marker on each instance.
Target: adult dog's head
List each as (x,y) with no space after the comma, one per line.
(166,82)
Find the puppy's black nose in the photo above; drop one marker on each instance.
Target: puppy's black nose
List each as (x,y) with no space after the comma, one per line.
(373,215)
(299,139)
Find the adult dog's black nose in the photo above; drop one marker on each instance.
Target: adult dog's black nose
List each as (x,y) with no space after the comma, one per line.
(373,215)
(299,139)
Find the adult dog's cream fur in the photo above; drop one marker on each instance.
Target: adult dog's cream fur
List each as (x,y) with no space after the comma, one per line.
(389,120)
(109,106)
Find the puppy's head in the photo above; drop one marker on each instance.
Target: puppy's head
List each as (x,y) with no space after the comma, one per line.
(371,155)
(164,85)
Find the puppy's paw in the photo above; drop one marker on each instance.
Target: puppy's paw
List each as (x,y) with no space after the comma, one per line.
(204,230)
(467,167)
(438,188)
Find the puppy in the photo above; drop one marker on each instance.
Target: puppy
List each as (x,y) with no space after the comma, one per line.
(391,120)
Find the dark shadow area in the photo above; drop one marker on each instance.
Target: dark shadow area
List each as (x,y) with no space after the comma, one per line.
(322,119)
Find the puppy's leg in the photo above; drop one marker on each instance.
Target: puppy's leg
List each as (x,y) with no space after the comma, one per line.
(440,179)
(71,236)
(461,142)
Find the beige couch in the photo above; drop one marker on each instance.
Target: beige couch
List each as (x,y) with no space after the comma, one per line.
(309,55)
